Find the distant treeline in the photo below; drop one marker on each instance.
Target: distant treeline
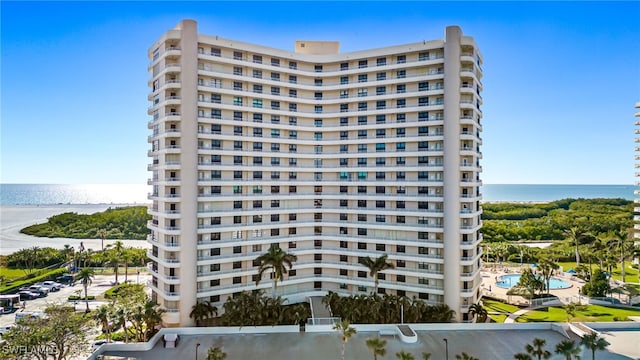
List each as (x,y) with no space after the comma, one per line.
(523,221)
(118,223)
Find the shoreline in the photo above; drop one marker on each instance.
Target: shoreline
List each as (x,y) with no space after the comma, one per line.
(13,218)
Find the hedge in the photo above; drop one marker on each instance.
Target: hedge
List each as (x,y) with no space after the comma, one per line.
(77,298)
(14,286)
(113,291)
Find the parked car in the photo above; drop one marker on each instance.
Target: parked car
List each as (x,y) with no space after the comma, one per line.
(28,295)
(53,285)
(5,328)
(42,290)
(66,279)
(26,314)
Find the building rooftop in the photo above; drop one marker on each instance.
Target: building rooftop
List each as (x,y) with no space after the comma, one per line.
(484,341)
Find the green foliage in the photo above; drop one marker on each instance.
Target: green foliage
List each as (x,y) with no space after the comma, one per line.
(62,333)
(114,291)
(44,275)
(255,309)
(118,223)
(35,257)
(76,298)
(386,309)
(516,221)
(598,286)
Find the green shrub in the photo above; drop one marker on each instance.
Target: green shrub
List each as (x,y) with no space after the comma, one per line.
(113,291)
(77,298)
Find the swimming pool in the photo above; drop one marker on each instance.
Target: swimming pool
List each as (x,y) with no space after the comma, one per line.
(508,281)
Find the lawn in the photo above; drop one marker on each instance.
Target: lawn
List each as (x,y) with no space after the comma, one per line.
(631,274)
(10,274)
(589,313)
(503,310)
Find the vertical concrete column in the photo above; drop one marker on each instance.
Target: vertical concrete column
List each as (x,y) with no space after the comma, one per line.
(188,170)
(451,176)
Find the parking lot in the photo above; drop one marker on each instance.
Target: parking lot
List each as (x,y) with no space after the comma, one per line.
(99,285)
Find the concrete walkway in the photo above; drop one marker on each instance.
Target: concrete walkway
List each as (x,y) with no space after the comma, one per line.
(512,317)
(318,309)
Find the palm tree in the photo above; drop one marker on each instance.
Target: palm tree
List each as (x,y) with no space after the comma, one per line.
(375,266)
(346,332)
(126,257)
(426,356)
(377,347)
(465,356)
(215,353)
(202,311)
(537,349)
(568,349)
(547,267)
(114,259)
(576,234)
(442,313)
(101,316)
(624,245)
(522,356)
(276,260)
(67,252)
(594,342)
(102,234)
(122,316)
(479,311)
(404,355)
(152,315)
(85,276)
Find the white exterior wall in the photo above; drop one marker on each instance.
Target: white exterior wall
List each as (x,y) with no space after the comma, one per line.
(415,199)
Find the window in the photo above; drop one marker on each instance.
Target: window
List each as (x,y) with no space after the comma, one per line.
(401,88)
(257,103)
(275,147)
(362,92)
(362,64)
(317,82)
(318,68)
(274,204)
(400,146)
(257,118)
(362,232)
(293,79)
(401,59)
(275,76)
(423,56)
(293,107)
(381,61)
(318,109)
(400,204)
(362,78)
(380,204)
(344,202)
(275,62)
(292,231)
(402,74)
(380,218)
(257,74)
(381,104)
(380,147)
(380,161)
(256,89)
(292,190)
(344,80)
(400,103)
(293,65)
(292,217)
(362,203)
(381,119)
(381,76)
(344,66)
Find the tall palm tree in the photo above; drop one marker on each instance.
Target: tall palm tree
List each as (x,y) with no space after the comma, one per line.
(114,258)
(85,275)
(377,347)
(101,316)
(576,234)
(67,252)
(547,267)
(126,258)
(152,315)
(202,311)
(594,343)
(465,356)
(442,313)
(215,353)
(276,260)
(346,332)
(375,266)
(537,349)
(404,355)
(102,234)
(624,244)
(568,349)
(479,311)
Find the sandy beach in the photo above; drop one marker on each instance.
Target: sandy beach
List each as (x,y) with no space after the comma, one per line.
(15,217)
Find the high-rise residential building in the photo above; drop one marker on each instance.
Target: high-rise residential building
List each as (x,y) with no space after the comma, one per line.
(331,156)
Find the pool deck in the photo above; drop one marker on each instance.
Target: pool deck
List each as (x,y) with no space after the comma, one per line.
(490,276)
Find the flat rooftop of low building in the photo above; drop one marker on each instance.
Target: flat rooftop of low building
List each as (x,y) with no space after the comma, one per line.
(484,344)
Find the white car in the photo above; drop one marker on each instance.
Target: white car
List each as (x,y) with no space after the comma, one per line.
(53,285)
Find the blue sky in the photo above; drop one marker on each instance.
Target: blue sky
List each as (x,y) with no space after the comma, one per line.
(560,79)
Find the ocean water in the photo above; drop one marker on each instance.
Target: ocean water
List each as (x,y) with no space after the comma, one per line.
(55,194)
(42,194)
(545,193)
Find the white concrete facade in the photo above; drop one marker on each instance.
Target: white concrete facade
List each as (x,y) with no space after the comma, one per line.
(332,156)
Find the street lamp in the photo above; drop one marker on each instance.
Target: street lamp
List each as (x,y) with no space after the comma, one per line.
(197,346)
(446,349)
